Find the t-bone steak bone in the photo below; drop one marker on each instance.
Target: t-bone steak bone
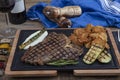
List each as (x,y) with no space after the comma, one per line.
(53,47)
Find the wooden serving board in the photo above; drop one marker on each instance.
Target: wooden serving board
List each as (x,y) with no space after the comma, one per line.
(102,72)
(78,72)
(10,73)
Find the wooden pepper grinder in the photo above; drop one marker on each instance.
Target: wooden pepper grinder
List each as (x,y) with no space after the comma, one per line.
(50,12)
(59,15)
(68,11)
(63,22)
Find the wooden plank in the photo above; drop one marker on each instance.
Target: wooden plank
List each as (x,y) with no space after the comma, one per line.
(114,45)
(92,72)
(8,71)
(102,72)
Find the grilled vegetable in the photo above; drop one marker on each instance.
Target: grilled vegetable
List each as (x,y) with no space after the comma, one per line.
(62,62)
(104,57)
(93,53)
(33,39)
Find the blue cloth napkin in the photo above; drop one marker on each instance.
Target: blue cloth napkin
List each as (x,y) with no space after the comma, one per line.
(96,12)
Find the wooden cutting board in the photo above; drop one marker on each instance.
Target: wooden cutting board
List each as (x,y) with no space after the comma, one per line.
(102,72)
(8,71)
(80,72)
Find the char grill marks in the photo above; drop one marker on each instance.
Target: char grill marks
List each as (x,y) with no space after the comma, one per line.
(54,47)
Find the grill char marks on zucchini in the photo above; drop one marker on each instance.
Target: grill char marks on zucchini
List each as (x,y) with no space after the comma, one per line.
(93,53)
(104,57)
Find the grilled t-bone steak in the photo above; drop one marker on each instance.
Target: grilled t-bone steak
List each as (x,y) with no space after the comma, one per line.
(54,47)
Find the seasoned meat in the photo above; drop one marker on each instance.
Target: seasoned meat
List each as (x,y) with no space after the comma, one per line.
(54,47)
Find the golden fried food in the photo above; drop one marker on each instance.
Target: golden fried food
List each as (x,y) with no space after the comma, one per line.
(88,45)
(95,38)
(89,28)
(103,36)
(98,29)
(98,41)
(79,31)
(74,39)
(94,35)
(90,35)
(107,46)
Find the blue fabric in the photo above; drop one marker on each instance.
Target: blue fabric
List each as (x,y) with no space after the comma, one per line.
(112,6)
(92,13)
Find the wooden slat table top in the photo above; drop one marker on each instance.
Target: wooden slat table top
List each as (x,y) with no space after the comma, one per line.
(61,76)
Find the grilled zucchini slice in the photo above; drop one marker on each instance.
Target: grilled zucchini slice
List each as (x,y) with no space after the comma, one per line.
(104,57)
(93,53)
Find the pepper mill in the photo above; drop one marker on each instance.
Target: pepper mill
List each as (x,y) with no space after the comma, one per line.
(63,22)
(68,11)
(60,15)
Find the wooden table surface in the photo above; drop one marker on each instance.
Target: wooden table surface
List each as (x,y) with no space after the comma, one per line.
(61,75)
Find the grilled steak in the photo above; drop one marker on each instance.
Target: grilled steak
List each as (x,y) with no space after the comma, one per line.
(54,47)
